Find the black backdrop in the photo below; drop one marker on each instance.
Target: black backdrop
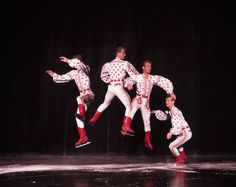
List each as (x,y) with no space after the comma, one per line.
(192,44)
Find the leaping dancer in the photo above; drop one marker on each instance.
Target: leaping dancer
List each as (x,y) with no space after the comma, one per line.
(113,73)
(81,78)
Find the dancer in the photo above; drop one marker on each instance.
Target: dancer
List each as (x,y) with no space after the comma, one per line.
(180,128)
(113,73)
(81,78)
(144,84)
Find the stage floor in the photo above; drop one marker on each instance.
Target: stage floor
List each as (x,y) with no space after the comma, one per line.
(116,171)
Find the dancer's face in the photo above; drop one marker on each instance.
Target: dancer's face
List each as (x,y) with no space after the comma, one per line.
(147,67)
(121,55)
(169,102)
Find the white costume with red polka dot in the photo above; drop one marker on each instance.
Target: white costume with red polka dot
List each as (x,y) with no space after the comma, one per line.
(82,81)
(143,90)
(180,128)
(114,73)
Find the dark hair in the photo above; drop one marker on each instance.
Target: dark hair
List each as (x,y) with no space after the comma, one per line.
(119,49)
(146,61)
(79,57)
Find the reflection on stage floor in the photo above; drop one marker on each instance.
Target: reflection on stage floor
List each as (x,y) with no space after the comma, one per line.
(113,170)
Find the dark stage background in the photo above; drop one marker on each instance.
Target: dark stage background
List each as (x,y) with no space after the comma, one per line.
(192,44)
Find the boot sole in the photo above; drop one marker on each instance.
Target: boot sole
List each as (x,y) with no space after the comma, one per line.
(126,133)
(80,118)
(148,147)
(82,145)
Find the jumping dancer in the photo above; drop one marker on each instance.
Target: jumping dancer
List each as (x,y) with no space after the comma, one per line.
(81,78)
(113,73)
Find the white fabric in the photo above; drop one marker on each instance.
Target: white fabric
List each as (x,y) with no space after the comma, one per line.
(179,127)
(143,105)
(81,79)
(177,120)
(116,90)
(179,141)
(116,70)
(144,86)
(143,89)
(114,73)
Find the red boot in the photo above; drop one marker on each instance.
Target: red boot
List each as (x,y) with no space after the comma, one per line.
(183,154)
(179,160)
(81,114)
(95,118)
(147,140)
(125,129)
(83,140)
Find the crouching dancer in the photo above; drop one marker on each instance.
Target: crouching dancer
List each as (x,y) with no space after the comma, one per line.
(180,129)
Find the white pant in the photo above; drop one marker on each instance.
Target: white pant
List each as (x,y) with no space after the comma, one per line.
(143,104)
(179,141)
(116,90)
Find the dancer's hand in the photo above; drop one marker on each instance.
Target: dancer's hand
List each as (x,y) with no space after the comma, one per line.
(63,59)
(49,72)
(169,135)
(130,87)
